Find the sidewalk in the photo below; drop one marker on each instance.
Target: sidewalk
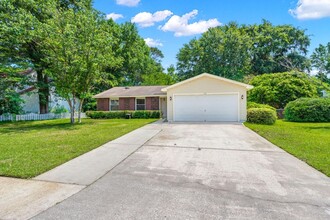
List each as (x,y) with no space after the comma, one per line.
(89,167)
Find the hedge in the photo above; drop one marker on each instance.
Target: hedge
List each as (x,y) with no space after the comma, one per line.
(122,114)
(258,105)
(308,110)
(261,116)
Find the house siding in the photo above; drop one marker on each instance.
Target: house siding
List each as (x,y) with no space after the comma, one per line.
(152,103)
(103,104)
(207,85)
(127,104)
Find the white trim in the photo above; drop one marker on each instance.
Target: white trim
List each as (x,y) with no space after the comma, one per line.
(206,94)
(113,98)
(211,76)
(145,103)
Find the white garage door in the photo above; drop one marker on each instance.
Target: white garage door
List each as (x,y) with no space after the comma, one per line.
(222,107)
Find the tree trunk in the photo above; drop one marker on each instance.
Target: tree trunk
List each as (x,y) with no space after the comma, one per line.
(79,110)
(73,110)
(43,92)
(71,105)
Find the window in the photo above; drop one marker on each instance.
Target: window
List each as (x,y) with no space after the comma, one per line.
(140,104)
(114,104)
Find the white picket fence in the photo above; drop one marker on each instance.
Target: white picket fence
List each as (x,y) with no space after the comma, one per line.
(38,117)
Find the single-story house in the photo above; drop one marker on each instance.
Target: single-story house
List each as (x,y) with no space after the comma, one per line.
(202,98)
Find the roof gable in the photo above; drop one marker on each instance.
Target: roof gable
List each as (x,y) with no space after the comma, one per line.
(248,87)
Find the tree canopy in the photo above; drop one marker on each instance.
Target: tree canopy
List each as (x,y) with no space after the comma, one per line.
(20,42)
(321,61)
(74,46)
(78,45)
(234,51)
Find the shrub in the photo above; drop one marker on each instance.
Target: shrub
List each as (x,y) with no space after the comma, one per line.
(308,110)
(278,89)
(122,114)
(261,116)
(59,109)
(258,105)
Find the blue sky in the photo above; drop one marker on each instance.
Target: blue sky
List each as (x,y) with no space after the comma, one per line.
(168,24)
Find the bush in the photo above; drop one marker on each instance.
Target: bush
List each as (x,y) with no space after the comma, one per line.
(59,109)
(278,89)
(308,110)
(122,114)
(257,105)
(261,116)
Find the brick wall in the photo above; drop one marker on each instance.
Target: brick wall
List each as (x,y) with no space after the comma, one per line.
(102,104)
(127,104)
(152,103)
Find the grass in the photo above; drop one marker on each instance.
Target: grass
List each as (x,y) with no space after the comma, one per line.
(309,142)
(28,149)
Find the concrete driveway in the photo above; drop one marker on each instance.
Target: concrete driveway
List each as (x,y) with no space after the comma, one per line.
(203,171)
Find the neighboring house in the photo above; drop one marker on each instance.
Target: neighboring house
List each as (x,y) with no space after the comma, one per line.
(31,100)
(204,97)
(29,94)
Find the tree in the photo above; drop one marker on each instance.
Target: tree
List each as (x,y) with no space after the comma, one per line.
(10,81)
(277,89)
(20,42)
(156,54)
(78,45)
(222,51)
(321,61)
(278,48)
(156,75)
(234,51)
(135,56)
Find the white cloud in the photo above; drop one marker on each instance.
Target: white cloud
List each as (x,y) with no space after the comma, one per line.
(181,27)
(146,19)
(114,16)
(129,3)
(153,43)
(311,9)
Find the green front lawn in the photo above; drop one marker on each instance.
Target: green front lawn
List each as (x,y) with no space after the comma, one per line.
(31,148)
(309,142)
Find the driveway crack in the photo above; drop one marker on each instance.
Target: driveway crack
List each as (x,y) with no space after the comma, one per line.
(211,148)
(259,198)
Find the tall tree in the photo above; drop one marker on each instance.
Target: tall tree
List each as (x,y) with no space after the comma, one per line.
(20,21)
(156,54)
(78,46)
(278,48)
(234,51)
(321,61)
(135,55)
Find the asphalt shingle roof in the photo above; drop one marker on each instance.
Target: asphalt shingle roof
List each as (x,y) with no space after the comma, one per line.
(132,91)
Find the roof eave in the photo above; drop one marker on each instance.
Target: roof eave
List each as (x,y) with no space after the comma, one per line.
(248,87)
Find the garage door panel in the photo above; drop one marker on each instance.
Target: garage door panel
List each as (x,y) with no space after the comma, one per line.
(188,108)
(222,107)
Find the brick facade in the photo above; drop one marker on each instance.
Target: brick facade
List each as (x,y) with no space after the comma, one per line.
(103,104)
(127,104)
(152,103)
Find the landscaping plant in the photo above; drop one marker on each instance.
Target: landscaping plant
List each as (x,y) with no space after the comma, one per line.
(308,110)
(261,116)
